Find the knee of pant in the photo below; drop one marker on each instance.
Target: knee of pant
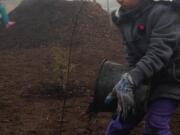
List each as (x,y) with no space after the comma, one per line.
(116,127)
(157,121)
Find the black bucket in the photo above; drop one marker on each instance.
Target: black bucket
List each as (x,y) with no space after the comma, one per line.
(109,74)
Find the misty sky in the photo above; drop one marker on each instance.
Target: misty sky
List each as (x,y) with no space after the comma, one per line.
(112,3)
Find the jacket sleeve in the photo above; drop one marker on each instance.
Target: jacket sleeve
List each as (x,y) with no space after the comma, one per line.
(130,58)
(164,38)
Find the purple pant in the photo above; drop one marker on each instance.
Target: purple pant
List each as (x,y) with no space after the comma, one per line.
(157,120)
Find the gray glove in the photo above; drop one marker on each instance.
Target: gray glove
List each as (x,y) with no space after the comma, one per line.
(124,90)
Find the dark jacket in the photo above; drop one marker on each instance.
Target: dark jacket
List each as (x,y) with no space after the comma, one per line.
(152,37)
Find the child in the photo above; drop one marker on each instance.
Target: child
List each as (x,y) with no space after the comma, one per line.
(5,17)
(151,30)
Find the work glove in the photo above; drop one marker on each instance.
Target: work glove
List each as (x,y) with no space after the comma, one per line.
(109,99)
(124,92)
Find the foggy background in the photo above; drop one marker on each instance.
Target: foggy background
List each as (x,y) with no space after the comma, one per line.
(112,4)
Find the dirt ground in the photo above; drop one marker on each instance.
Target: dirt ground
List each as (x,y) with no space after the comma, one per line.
(33,100)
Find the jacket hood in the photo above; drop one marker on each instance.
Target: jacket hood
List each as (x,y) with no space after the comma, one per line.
(134,13)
